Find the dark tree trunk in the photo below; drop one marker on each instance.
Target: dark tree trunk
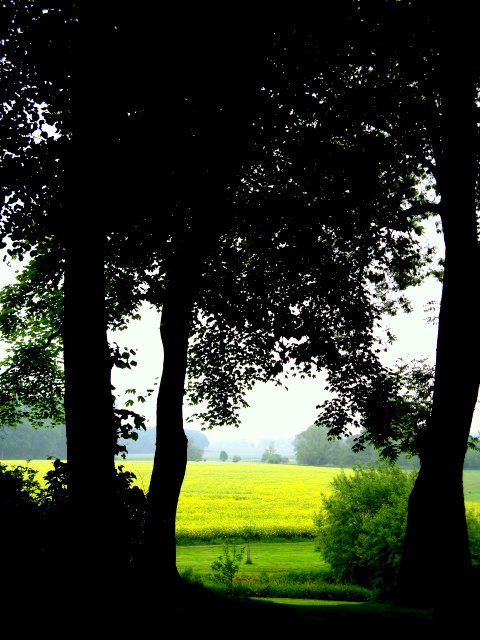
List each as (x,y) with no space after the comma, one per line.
(171,443)
(436,554)
(88,399)
(89,414)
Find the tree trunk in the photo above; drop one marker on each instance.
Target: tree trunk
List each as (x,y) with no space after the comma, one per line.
(436,558)
(171,445)
(88,401)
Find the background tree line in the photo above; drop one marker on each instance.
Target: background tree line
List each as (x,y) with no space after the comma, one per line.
(311,446)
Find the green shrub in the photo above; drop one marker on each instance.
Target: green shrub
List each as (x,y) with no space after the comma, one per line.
(311,585)
(362,525)
(473,525)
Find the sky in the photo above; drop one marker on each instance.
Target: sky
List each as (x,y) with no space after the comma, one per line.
(273,412)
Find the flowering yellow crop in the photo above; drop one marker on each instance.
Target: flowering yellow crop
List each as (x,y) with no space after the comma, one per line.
(250,500)
(224,499)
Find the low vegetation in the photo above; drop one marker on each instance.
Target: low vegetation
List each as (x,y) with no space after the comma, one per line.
(361,525)
(278,569)
(356,515)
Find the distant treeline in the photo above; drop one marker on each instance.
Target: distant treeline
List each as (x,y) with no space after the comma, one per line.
(311,447)
(25,443)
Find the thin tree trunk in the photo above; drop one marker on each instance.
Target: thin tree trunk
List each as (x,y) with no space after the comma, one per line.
(171,444)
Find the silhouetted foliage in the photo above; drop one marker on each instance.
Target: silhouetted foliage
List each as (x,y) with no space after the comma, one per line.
(292,200)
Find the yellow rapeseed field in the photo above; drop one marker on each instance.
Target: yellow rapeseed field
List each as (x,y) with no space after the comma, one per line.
(263,500)
(224,499)
(221,499)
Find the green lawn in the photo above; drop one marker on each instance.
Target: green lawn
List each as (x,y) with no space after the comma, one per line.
(271,557)
(471,485)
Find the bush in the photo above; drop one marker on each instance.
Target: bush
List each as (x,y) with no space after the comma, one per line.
(362,525)
(473,525)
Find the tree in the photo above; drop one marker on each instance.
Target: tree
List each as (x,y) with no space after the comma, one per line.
(226,566)
(435,123)
(84,284)
(223,456)
(198,437)
(313,447)
(378,98)
(194,452)
(269,452)
(54,61)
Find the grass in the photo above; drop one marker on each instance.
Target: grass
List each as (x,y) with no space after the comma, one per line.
(268,557)
(471,486)
(277,569)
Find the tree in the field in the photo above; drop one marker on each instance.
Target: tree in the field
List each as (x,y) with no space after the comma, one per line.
(313,447)
(198,437)
(223,456)
(194,452)
(269,452)
(297,280)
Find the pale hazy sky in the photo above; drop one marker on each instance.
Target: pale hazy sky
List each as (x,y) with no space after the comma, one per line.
(274,412)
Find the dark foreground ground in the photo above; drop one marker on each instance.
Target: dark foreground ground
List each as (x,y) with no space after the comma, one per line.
(257,618)
(135,610)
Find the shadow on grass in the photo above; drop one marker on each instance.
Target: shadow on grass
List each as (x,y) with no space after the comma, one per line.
(257,616)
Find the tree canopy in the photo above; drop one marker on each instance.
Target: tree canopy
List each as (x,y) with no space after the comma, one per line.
(275,223)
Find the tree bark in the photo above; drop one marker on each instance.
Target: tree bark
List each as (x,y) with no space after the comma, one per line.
(171,445)
(436,553)
(90,423)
